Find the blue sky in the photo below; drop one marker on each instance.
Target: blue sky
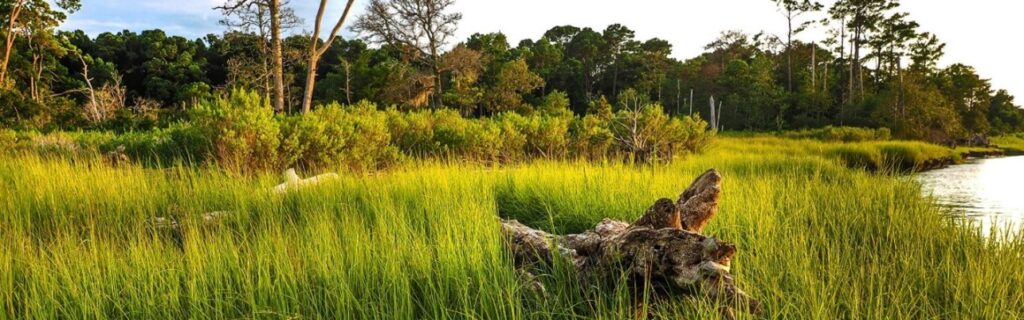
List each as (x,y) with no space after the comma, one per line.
(980,33)
(189,18)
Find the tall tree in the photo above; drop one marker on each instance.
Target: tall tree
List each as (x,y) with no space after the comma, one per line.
(792,10)
(21,14)
(925,53)
(265,18)
(420,27)
(316,51)
(862,17)
(512,81)
(616,39)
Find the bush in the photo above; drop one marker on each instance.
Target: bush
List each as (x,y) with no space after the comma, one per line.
(354,137)
(243,132)
(593,139)
(445,133)
(649,134)
(543,136)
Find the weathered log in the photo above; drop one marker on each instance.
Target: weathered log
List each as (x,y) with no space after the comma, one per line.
(663,250)
(294,182)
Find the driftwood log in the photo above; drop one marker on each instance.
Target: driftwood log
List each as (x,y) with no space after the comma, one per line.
(664,250)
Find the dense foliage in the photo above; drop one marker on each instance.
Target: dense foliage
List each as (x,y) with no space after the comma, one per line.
(241,132)
(875,69)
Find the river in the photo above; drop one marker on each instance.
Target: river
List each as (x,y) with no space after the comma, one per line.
(989,191)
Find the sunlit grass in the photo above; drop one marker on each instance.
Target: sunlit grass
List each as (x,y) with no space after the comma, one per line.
(1011,143)
(817,240)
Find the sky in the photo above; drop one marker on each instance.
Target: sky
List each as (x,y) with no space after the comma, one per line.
(980,33)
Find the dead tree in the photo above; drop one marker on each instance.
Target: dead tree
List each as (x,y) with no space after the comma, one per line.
(663,250)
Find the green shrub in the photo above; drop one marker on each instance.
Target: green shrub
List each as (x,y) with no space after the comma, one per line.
(592,137)
(649,133)
(445,133)
(354,137)
(544,136)
(243,132)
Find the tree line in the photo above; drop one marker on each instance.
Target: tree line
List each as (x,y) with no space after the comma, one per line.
(875,68)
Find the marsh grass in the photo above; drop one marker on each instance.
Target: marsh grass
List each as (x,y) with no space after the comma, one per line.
(817,240)
(1013,144)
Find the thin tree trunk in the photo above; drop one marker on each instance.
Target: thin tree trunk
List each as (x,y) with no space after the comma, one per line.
(37,78)
(789,53)
(679,96)
(439,83)
(348,81)
(307,96)
(859,69)
(902,104)
(814,66)
(714,120)
(615,76)
(316,52)
(691,101)
(275,37)
(92,90)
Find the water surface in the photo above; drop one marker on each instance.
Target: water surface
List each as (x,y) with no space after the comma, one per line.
(989,191)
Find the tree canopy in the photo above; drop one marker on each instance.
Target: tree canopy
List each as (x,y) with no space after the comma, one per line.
(876,68)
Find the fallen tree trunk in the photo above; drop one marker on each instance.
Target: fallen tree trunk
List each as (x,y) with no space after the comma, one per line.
(663,250)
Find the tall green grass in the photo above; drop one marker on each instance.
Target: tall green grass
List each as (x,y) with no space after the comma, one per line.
(1013,143)
(816,240)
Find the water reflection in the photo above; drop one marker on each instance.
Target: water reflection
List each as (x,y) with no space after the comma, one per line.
(990,191)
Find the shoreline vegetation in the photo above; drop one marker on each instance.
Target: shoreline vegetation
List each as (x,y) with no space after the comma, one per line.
(360,138)
(422,240)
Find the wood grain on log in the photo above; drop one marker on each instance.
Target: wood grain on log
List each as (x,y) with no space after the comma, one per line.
(664,248)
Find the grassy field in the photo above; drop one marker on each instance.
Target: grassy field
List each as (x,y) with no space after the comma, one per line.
(817,240)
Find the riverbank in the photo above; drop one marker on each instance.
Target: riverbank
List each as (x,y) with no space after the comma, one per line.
(816,240)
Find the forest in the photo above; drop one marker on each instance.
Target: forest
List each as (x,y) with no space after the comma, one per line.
(876,68)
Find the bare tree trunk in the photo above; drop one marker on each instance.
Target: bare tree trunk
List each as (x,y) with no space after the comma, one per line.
(691,102)
(814,65)
(662,253)
(679,96)
(37,76)
(789,52)
(275,38)
(315,52)
(714,120)
(92,90)
(348,81)
(858,68)
(438,82)
(902,103)
(307,96)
